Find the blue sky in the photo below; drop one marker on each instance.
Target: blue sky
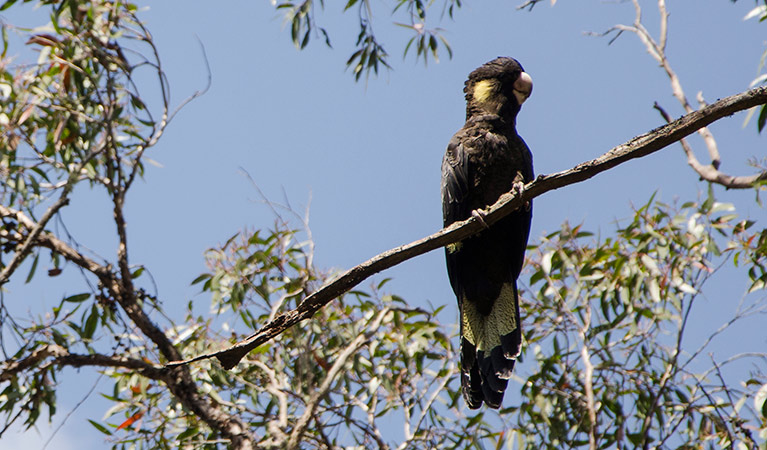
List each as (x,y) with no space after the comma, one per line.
(368,154)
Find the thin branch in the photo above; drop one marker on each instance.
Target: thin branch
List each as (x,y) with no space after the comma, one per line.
(166,116)
(38,228)
(588,378)
(529,4)
(426,408)
(62,356)
(657,51)
(711,173)
(63,422)
(338,366)
(663,25)
(277,389)
(165,95)
(373,431)
(636,148)
(179,382)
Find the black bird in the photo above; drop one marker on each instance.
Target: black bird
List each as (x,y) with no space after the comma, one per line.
(484,159)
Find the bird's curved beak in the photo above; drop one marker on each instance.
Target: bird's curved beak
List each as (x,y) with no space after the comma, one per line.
(523,87)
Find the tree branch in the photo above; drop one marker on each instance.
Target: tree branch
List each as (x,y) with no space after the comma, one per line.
(52,243)
(711,173)
(588,378)
(38,227)
(179,382)
(62,356)
(278,388)
(338,366)
(636,148)
(658,52)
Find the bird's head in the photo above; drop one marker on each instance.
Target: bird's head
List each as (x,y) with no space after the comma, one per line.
(497,87)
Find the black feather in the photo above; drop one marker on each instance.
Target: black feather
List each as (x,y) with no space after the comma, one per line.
(471,381)
(484,160)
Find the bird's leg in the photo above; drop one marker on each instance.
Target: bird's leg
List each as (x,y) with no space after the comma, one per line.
(516,188)
(480,215)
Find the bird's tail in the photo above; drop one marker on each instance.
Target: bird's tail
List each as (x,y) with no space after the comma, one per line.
(490,344)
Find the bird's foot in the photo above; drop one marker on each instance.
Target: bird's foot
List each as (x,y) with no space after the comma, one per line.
(516,189)
(480,215)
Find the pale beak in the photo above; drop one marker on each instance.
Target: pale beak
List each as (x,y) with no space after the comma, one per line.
(523,87)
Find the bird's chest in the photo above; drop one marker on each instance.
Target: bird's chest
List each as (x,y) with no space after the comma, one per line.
(497,164)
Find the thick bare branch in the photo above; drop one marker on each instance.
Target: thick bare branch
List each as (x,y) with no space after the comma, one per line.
(11,367)
(636,148)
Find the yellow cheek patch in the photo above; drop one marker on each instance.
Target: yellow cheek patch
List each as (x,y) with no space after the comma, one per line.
(452,248)
(484,89)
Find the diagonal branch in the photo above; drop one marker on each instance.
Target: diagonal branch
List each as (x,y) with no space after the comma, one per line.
(658,52)
(636,148)
(51,242)
(63,200)
(178,380)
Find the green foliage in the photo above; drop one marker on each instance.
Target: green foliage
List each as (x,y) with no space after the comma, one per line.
(605,366)
(605,355)
(76,115)
(605,330)
(760,12)
(302,24)
(402,363)
(369,54)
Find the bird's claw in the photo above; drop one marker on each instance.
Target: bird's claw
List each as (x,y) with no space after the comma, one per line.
(516,189)
(480,216)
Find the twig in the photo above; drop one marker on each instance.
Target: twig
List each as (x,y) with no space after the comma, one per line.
(657,51)
(276,388)
(636,148)
(373,431)
(72,411)
(38,228)
(711,173)
(529,4)
(588,378)
(64,357)
(426,408)
(338,366)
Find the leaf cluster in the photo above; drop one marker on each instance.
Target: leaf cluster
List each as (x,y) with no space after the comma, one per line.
(369,53)
(76,114)
(362,360)
(606,327)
